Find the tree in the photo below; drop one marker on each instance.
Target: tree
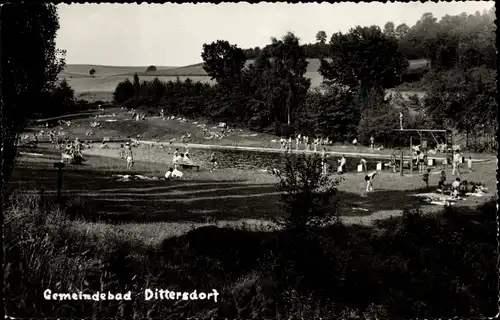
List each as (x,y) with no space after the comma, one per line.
(151,69)
(222,61)
(332,113)
(289,64)
(124,91)
(137,85)
(363,59)
(309,197)
(92,72)
(28,76)
(389,29)
(401,31)
(321,36)
(155,91)
(62,99)
(463,100)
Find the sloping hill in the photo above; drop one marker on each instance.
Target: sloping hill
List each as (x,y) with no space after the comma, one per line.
(82,70)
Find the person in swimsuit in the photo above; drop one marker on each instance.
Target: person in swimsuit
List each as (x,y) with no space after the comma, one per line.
(369,181)
(425,178)
(421,162)
(213,161)
(456,163)
(363,165)
(130,159)
(442,181)
(342,161)
(168,174)
(324,165)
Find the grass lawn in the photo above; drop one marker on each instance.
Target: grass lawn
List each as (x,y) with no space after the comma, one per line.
(231,196)
(221,197)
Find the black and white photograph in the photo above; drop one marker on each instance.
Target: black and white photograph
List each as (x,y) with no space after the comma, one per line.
(269,161)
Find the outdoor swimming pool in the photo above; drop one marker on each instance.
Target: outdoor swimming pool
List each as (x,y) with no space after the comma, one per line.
(256,160)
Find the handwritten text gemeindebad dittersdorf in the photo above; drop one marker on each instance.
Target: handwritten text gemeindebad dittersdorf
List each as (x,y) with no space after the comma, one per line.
(178,295)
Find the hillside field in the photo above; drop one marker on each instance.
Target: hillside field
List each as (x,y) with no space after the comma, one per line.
(105,79)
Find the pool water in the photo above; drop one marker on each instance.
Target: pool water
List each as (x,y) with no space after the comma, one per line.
(255,160)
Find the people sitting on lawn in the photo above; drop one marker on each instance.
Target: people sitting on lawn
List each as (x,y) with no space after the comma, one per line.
(442,181)
(455,187)
(104,145)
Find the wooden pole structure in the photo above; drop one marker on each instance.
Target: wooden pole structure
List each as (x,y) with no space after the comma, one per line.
(411,153)
(59,166)
(401,166)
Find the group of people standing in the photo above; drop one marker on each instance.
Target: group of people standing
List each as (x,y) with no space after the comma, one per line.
(73,151)
(313,145)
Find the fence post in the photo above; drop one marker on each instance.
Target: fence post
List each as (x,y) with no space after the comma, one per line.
(411,153)
(59,166)
(401,166)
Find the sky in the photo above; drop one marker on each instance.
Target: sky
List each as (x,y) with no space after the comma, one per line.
(173,34)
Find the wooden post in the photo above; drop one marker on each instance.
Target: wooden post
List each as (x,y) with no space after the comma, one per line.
(411,154)
(59,166)
(401,166)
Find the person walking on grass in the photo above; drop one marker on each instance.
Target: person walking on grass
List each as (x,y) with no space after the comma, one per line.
(456,163)
(469,164)
(425,178)
(369,181)
(130,158)
(213,161)
(122,152)
(421,160)
(372,142)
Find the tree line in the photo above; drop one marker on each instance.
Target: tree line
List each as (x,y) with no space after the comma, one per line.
(471,36)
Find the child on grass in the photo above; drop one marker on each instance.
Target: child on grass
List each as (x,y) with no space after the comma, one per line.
(130,159)
(442,180)
(425,178)
(213,161)
(469,164)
